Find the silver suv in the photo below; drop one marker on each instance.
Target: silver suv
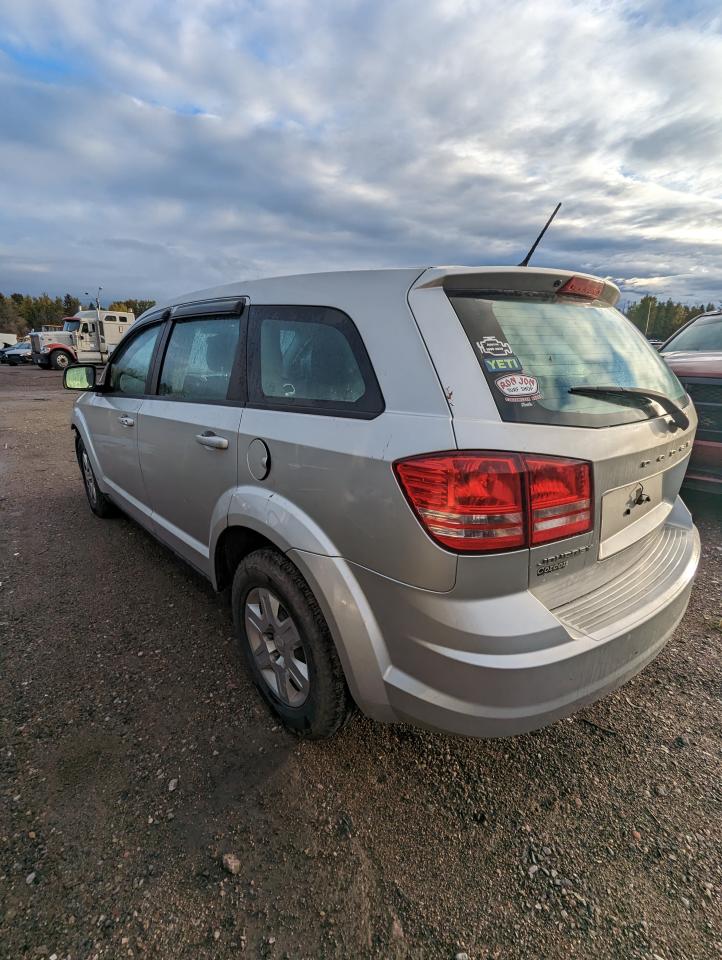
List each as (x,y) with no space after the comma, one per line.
(446,495)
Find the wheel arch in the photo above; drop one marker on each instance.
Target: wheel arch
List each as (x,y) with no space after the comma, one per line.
(256,515)
(232,546)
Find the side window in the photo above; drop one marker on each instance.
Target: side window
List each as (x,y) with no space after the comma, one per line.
(199,358)
(128,371)
(311,359)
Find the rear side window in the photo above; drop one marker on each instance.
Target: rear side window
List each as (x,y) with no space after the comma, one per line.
(533,350)
(199,359)
(129,372)
(310,359)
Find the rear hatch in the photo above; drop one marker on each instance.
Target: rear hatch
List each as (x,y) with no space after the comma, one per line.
(508,346)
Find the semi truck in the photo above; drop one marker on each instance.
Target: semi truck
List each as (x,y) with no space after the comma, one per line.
(90,336)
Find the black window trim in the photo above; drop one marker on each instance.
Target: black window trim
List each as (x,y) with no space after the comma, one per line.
(322,408)
(205,310)
(218,307)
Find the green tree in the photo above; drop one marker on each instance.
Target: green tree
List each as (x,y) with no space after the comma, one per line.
(42,310)
(136,306)
(660,319)
(11,320)
(643,314)
(71,305)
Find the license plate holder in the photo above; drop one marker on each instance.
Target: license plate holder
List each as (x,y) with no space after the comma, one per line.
(638,503)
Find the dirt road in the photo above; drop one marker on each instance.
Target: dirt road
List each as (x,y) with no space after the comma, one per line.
(134,754)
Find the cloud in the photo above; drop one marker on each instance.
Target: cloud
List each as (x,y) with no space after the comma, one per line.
(156,148)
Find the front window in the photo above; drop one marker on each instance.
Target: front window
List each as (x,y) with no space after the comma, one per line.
(533,350)
(704,334)
(71,326)
(128,374)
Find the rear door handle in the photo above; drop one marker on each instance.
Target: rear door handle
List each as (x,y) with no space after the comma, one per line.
(210,439)
(126,421)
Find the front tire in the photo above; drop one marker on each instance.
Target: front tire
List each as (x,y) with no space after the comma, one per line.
(100,504)
(60,359)
(287,645)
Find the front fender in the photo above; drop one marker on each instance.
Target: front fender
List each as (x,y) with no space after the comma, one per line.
(79,423)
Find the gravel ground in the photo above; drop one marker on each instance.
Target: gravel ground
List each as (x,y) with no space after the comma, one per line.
(134,755)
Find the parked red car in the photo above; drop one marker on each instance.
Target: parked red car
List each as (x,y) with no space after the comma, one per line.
(695,355)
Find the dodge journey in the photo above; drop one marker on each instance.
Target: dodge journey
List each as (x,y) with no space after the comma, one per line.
(448,496)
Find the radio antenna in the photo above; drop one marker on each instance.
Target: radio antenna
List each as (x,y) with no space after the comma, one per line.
(527,258)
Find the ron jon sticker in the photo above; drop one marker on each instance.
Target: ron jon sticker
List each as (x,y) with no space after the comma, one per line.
(519,388)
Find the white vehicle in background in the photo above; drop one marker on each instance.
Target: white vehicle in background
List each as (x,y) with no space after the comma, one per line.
(7,340)
(88,337)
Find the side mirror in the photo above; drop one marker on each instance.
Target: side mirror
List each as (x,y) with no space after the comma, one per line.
(79,377)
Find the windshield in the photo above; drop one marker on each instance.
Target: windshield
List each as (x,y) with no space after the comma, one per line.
(533,350)
(70,326)
(705,333)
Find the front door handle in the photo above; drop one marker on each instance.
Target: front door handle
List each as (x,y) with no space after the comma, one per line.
(126,421)
(210,439)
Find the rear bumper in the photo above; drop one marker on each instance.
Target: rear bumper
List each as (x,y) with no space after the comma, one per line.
(507,665)
(516,694)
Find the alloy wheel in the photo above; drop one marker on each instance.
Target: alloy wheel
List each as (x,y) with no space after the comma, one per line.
(89,480)
(277,647)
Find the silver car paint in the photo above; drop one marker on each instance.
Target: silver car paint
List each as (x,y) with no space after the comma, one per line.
(192,497)
(469,644)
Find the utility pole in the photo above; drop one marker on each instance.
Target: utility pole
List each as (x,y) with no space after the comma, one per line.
(649,310)
(97,318)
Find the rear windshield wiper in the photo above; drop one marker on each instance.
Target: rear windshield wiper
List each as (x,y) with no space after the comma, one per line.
(645,396)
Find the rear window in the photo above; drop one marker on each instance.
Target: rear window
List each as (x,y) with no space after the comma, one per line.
(704,334)
(533,350)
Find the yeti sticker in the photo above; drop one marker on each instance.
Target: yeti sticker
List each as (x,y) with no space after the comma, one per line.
(519,388)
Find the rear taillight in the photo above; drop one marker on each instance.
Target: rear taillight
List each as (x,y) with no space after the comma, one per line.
(560,498)
(467,501)
(476,502)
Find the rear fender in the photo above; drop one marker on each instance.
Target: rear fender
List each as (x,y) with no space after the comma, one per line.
(279,520)
(353,627)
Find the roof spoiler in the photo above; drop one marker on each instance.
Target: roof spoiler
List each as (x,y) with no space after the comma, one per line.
(512,280)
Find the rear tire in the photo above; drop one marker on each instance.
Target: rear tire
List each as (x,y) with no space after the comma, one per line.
(60,359)
(288,647)
(100,504)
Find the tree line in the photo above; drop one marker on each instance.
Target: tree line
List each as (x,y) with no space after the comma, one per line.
(20,313)
(660,318)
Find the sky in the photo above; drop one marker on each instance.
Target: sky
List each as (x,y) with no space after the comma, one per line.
(155,147)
